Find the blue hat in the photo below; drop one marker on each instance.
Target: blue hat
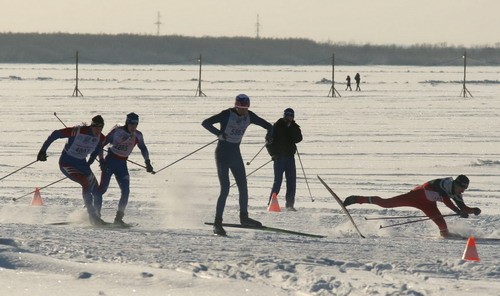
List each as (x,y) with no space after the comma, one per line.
(242,101)
(132,118)
(289,113)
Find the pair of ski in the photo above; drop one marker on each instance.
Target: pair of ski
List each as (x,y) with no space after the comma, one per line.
(273,229)
(106,225)
(267,228)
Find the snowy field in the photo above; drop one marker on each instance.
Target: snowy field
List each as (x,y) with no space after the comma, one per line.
(408,125)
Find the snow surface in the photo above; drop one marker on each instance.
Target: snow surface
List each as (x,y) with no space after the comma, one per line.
(408,125)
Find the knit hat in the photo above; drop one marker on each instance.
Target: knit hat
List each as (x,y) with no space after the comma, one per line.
(242,101)
(462,180)
(97,121)
(289,113)
(132,118)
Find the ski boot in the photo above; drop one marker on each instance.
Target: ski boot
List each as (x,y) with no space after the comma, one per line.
(119,219)
(218,229)
(246,221)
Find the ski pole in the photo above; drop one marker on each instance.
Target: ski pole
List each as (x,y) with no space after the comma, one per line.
(18,198)
(186,156)
(153,172)
(55,114)
(254,170)
(249,162)
(393,217)
(415,221)
(303,171)
(18,169)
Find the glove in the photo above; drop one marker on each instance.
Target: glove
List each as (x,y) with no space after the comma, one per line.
(42,155)
(149,167)
(269,139)
(91,161)
(222,137)
(476,211)
(274,157)
(463,214)
(103,165)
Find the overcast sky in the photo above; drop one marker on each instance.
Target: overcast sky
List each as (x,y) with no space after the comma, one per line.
(402,22)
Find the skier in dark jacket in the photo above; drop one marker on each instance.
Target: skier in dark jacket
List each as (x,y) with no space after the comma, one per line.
(286,134)
(233,124)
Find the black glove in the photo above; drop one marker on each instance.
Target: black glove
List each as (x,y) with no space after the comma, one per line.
(42,155)
(149,167)
(463,214)
(103,164)
(222,136)
(274,157)
(269,139)
(476,211)
(91,161)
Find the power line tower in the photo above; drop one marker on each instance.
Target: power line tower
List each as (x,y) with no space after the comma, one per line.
(257,28)
(158,24)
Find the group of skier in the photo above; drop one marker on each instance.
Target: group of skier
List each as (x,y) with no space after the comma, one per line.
(86,140)
(281,139)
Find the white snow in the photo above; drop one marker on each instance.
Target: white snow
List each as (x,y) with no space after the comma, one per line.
(406,127)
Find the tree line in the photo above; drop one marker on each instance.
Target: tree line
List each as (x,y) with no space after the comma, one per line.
(174,49)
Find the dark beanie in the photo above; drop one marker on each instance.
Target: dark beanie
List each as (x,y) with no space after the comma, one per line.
(462,180)
(97,121)
(289,113)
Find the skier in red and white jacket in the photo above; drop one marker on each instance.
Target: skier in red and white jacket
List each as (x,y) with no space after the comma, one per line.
(425,198)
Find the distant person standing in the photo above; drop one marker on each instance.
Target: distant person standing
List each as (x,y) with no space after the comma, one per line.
(233,124)
(358,81)
(122,139)
(286,134)
(348,79)
(82,141)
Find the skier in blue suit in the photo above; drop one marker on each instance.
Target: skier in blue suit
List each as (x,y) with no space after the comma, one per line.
(122,140)
(233,123)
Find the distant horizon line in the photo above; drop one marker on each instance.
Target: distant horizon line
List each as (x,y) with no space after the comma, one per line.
(329,42)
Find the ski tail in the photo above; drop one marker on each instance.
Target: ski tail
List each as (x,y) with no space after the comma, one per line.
(344,209)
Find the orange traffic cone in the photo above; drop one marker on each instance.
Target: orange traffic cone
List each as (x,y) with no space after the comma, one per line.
(37,198)
(273,205)
(470,252)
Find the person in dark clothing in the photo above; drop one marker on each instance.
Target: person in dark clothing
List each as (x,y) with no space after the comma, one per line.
(286,134)
(358,81)
(348,79)
(233,124)
(425,198)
